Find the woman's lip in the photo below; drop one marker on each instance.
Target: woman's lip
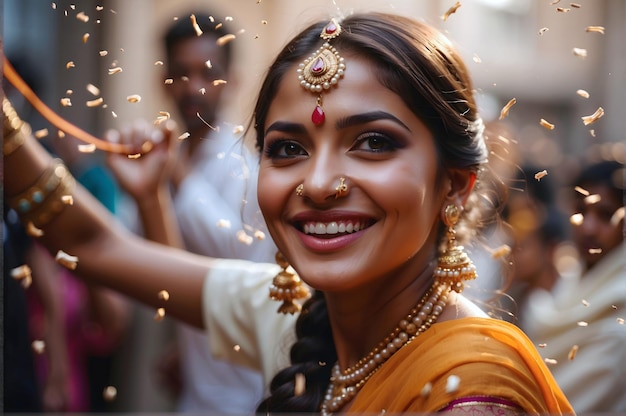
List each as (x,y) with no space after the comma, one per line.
(326,244)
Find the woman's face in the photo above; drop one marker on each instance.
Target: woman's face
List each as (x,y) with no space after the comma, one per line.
(389,161)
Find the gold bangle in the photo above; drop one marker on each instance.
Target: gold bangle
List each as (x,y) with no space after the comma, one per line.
(15,130)
(44,200)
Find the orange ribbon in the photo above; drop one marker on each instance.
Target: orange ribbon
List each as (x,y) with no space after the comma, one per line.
(65,126)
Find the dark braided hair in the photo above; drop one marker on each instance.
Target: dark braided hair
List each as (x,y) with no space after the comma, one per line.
(421,66)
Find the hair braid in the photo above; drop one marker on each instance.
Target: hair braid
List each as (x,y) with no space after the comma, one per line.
(311,355)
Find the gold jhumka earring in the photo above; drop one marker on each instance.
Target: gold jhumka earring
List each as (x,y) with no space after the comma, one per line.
(322,70)
(454,266)
(287,287)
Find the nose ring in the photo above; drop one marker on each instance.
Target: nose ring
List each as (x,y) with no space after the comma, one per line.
(300,189)
(342,189)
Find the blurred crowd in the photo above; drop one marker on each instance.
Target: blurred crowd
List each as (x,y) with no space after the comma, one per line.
(554,263)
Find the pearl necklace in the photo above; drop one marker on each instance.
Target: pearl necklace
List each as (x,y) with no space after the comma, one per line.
(345,385)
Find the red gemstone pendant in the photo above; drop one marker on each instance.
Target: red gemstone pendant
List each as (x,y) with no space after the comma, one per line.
(318,115)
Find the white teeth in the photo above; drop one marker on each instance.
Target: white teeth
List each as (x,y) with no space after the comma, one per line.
(332,228)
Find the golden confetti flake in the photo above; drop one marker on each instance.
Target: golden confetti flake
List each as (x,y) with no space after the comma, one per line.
(595,251)
(576,219)
(133,98)
(21,272)
(300,385)
(585,303)
(542,345)
(617,216)
(93,90)
(425,392)
(160,314)
(134,156)
(109,393)
(195,25)
(582,93)
(85,37)
(69,92)
(562,9)
(572,352)
(451,11)
(218,26)
(70,64)
(164,295)
(82,17)
(95,103)
(228,19)
(620,321)
(202,91)
(543,30)
(582,323)
(40,134)
(238,129)
(544,123)
(219,82)
(580,52)
(592,199)
(595,29)
(66,102)
(168,81)
(67,199)
(581,190)
(33,231)
(554,2)
(115,70)
(550,361)
(225,39)
(184,136)
(87,148)
(208,64)
(505,110)
(236,348)
(593,117)
(452,383)
(502,251)
(158,63)
(61,134)
(541,174)
(99,8)
(259,235)
(66,260)
(264,22)
(575,5)
(477,59)
(38,346)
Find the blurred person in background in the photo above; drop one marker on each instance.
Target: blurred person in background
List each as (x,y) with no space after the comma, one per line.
(213,182)
(581,321)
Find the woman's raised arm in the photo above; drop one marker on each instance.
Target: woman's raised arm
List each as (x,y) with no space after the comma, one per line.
(107,253)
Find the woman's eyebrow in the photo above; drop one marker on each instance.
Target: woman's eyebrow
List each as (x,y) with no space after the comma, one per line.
(368,117)
(287,127)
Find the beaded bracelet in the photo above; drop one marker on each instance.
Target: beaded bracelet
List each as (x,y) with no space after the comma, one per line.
(15,130)
(40,203)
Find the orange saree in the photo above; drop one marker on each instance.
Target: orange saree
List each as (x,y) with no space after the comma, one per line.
(491,358)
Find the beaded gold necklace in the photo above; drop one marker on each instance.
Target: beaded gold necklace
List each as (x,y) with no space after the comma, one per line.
(345,385)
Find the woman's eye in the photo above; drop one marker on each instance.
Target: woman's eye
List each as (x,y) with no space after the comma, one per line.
(375,142)
(284,149)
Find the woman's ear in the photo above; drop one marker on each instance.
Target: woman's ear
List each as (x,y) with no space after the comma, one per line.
(462,182)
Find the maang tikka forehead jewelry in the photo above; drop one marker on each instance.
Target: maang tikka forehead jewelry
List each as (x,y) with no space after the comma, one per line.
(322,69)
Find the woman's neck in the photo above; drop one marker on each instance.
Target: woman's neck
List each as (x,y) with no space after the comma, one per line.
(360,320)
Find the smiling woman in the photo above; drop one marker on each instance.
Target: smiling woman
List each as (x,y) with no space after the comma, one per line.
(371,147)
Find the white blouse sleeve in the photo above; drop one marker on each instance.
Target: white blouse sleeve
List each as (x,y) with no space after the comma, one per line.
(242,320)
